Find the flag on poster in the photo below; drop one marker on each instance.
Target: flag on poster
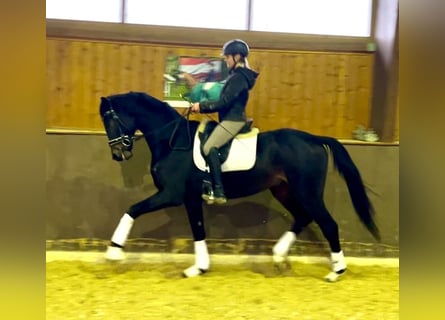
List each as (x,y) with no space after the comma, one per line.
(202,69)
(184,74)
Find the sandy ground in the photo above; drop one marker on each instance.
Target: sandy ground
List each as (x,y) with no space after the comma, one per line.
(86,287)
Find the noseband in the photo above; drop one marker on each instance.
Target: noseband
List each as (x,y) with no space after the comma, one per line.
(120,146)
(124,139)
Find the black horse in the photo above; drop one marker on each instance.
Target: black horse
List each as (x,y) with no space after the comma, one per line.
(292,164)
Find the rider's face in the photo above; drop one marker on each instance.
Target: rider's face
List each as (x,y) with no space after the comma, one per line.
(230,61)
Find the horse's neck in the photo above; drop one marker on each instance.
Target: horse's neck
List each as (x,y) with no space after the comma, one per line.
(158,148)
(157,120)
(158,138)
(163,142)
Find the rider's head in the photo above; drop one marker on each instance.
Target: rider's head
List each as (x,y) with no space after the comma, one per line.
(234,52)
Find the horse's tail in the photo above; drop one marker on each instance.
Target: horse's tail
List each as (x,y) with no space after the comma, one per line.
(346,167)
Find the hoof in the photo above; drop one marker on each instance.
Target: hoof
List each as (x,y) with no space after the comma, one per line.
(283,267)
(334,276)
(193,271)
(281,263)
(279,258)
(114,254)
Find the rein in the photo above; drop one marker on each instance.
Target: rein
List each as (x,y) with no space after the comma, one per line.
(185,116)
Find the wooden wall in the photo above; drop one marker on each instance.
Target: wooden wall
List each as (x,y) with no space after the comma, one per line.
(321,92)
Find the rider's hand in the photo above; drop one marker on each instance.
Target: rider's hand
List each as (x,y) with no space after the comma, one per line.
(195,107)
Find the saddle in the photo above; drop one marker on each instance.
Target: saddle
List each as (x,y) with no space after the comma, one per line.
(237,154)
(206,128)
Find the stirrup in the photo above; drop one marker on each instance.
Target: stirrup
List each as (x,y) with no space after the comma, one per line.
(208,197)
(207,192)
(220,197)
(220,200)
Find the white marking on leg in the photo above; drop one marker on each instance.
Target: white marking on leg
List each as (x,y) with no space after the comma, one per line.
(338,266)
(281,248)
(122,231)
(338,261)
(119,237)
(202,260)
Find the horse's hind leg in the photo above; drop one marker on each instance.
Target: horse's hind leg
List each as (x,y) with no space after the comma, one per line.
(301,220)
(329,228)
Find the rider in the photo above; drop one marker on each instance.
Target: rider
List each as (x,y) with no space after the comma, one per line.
(231,108)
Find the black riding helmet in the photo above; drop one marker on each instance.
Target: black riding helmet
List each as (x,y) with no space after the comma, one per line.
(235,46)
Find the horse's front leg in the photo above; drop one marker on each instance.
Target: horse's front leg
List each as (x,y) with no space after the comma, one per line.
(158,201)
(193,206)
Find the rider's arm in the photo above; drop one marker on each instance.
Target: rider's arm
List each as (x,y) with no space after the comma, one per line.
(234,86)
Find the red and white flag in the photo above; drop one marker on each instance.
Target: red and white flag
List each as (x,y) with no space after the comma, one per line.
(202,69)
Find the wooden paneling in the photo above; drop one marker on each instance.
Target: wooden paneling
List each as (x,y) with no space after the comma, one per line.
(80,72)
(320,92)
(324,93)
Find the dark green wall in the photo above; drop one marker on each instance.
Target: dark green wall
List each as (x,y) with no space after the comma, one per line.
(87,193)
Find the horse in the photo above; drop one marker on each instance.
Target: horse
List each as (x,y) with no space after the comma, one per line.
(291,163)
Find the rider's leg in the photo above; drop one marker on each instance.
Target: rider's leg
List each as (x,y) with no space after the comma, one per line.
(215,173)
(222,134)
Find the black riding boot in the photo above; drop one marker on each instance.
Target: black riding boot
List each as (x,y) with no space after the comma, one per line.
(215,173)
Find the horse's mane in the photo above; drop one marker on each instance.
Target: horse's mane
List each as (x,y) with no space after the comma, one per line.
(137,100)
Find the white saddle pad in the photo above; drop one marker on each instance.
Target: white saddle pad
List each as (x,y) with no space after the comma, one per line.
(242,153)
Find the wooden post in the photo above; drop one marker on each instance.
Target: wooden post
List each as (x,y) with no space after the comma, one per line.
(386,71)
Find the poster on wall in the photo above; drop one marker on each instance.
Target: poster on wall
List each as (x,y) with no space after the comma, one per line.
(192,79)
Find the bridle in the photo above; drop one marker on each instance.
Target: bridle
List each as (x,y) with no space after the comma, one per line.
(122,145)
(124,138)
(127,142)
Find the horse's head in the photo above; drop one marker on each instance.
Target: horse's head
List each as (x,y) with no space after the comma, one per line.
(120,128)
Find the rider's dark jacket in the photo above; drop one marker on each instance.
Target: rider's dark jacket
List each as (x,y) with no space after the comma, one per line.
(234,96)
